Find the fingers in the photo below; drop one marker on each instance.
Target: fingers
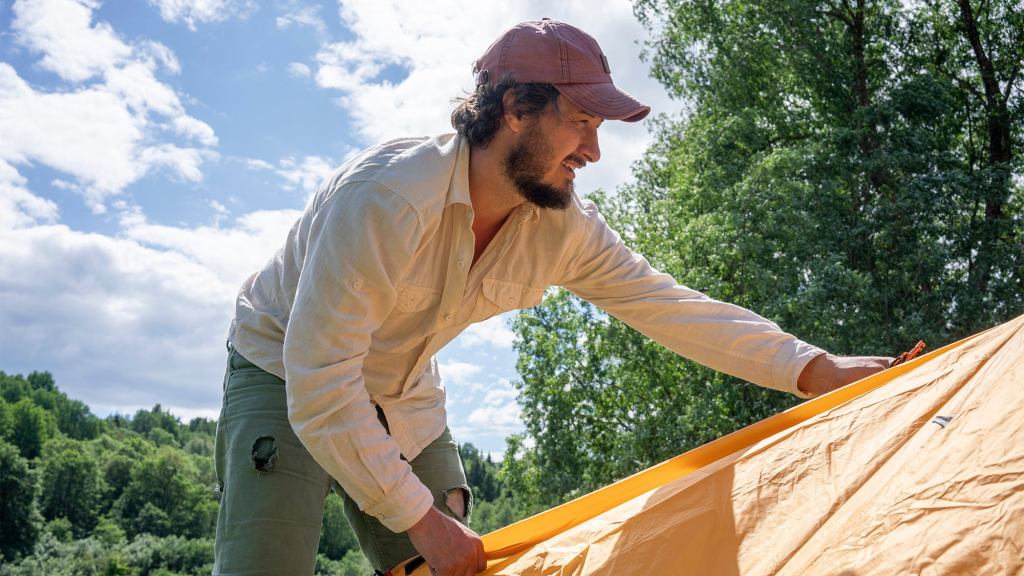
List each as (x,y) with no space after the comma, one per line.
(449,548)
(481,557)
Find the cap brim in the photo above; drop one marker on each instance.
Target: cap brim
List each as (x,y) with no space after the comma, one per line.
(605,100)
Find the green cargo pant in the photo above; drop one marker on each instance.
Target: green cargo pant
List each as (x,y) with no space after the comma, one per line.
(273,492)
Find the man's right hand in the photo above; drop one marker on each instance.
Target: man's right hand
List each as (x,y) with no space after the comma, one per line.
(449,548)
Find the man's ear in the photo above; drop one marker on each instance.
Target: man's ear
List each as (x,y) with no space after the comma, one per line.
(512,114)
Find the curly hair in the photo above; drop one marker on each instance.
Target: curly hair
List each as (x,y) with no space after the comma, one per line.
(477,117)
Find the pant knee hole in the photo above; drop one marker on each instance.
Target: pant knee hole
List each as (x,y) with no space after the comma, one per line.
(264,454)
(458,501)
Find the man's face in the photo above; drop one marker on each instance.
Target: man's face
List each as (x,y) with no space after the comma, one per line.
(542,163)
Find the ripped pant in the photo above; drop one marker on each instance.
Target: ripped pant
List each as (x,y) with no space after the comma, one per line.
(273,492)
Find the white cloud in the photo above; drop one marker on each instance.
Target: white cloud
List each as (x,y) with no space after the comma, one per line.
(299,70)
(492,332)
(103,133)
(193,12)
(126,314)
(308,16)
(494,413)
(230,254)
(305,174)
(457,372)
(436,49)
(506,417)
(500,394)
(159,54)
(257,164)
(109,314)
(72,47)
(20,208)
(195,129)
(184,162)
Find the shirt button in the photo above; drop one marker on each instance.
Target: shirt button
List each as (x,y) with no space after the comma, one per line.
(461,264)
(357,284)
(511,301)
(447,317)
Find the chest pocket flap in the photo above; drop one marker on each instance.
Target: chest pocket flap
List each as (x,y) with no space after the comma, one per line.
(416,298)
(510,295)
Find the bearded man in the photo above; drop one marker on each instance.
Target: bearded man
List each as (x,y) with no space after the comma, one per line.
(331,381)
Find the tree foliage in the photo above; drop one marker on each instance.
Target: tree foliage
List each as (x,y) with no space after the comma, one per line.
(19,516)
(126,496)
(162,498)
(72,487)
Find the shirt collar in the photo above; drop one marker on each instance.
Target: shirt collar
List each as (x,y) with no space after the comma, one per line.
(458,188)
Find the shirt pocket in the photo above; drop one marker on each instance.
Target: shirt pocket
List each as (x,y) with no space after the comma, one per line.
(501,296)
(416,298)
(406,326)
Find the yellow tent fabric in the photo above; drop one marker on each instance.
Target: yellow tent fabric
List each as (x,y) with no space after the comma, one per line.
(915,470)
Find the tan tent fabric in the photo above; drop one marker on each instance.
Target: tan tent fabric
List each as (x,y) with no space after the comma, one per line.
(916,470)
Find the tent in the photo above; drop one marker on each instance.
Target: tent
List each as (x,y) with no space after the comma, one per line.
(915,470)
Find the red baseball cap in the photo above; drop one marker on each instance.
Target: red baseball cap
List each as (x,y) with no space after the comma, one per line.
(556,53)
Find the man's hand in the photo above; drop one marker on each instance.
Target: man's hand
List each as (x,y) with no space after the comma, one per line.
(449,548)
(827,372)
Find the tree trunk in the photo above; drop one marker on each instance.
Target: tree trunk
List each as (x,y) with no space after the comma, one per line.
(1000,150)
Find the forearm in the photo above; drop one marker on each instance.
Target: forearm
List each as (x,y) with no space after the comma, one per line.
(828,372)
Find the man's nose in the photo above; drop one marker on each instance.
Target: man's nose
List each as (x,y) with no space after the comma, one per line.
(589,146)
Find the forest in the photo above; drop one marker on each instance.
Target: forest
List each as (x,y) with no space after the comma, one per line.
(137,495)
(850,169)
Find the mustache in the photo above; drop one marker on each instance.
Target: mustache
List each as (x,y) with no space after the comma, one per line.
(575,160)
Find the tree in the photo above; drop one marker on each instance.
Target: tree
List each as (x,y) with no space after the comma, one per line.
(337,537)
(19,517)
(161,498)
(71,485)
(30,427)
(481,472)
(979,49)
(145,421)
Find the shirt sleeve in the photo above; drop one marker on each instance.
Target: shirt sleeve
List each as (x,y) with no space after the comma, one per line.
(722,336)
(359,241)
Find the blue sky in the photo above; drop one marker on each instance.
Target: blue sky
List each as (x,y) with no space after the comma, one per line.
(153,155)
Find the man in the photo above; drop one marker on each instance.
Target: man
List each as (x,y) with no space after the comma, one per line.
(331,380)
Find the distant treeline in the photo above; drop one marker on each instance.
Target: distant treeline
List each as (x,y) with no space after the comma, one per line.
(137,495)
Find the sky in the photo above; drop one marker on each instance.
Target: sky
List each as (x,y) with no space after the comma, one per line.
(154,153)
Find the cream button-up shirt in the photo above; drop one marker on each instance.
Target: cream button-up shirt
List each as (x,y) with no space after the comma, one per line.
(377,276)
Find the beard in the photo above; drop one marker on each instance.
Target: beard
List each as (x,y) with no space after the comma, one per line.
(525,165)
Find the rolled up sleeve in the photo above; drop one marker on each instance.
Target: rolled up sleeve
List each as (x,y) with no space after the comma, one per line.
(359,241)
(722,336)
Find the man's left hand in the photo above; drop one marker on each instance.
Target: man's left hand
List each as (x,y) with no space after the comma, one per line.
(827,372)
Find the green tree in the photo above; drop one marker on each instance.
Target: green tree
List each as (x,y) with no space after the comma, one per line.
(117,456)
(72,417)
(71,484)
(145,421)
(19,516)
(481,472)
(5,418)
(161,498)
(30,427)
(352,564)
(337,537)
